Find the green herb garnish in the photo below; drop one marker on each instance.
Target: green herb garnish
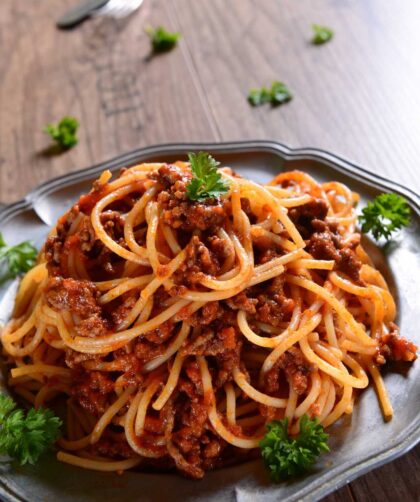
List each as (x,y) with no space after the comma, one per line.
(64,133)
(322,34)
(386,214)
(206,182)
(285,456)
(161,39)
(16,259)
(276,95)
(25,437)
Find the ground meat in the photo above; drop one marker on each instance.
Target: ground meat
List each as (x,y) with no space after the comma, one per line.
(328,246)
(206,315)
(160,334)
(112,446)
(394,347)
(75,359)
(179,211)
(242,302)
(79,297)
(113,224)
(92,390)
(93,326)
(274,309)
(295,368)
(119,313)
(303,216)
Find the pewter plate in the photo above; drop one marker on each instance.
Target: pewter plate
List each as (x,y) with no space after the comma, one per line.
(358,444)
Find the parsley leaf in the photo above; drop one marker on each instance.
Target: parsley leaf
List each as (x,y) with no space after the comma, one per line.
(322,34)
(276,95)
(206,181)
(16,259)
(285,456)
(161,39)
(64,133)
(26,437)
(386,214)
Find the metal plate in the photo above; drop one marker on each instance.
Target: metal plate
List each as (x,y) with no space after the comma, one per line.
(358,443)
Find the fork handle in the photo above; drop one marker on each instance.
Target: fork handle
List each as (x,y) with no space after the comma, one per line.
(79,13)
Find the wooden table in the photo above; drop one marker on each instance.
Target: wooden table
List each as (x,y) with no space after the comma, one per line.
(357,96)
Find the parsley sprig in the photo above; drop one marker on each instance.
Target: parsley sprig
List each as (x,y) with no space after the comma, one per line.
(64,133)
(285,456)
(16,259)
(26,437)
(277,94)
(386,214)
(206,182)
(161,39)
(322,34)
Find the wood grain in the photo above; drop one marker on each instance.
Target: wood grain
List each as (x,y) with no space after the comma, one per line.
(356,96)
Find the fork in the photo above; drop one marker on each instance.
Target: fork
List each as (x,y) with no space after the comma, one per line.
(110,8)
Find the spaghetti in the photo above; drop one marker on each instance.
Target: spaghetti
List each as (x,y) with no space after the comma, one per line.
(174,330)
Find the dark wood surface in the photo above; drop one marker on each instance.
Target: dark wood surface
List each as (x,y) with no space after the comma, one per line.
(357,96)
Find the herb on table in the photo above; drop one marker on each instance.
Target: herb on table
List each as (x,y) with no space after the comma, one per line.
(162,40)
(322,34)
(64,133)
(386,214)
(278,94)
(25,437)
(206,182)
(286,456)
(16,259)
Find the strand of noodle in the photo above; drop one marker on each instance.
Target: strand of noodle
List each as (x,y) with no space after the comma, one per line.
(29,282)
(344,192)
(230,404)
(265,276)
(229,251)
(256,395)
(122,288)
(24,329)
(145,313)
(104,344)
(29,347)
(170,351)
(129,430)
(45,369)
(258,231)
(355,347)
(221,430)
(47,389)
(291,403)
(323,395)
(246,408)
(106,418)
(152,230)
(335,304)
(340,407)
(313,264)
(329,404)
(132,219)
(312,395)
(339,375)
(73,445)
(153,286)
(143,405)
(329,327)
(289,201)
(380,390)
(278,210)
(250,421)
(171,239)
(292,338)
(327,354)
(98,465)
(373,276)
(170,385)
(100,231)
(244,274)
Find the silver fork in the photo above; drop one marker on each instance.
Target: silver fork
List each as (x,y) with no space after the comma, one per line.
(118,8)
(110,8)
